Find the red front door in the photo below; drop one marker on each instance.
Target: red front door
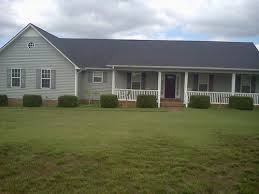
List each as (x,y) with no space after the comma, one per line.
(170,85)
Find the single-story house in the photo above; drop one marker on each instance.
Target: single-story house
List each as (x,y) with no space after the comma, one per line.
(37,62)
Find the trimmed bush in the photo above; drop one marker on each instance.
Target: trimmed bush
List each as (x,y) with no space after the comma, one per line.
(32,100)
(146,101)
(109,101)
(3,100)
(68,101)
(241,102)
(197,101)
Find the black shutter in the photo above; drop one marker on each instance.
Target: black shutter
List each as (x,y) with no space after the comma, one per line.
(238,83)
(195,81)
(253,83)
(211,82)
(128,80)
(143,80)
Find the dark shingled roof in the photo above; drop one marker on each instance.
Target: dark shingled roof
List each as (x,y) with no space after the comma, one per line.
(98,53)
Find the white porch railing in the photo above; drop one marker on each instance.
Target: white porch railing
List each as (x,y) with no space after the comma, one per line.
(222,97)
(131,95)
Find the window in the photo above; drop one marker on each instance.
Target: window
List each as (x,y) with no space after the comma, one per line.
(97,77)
(16,77)
(246,83)
(30,45)
(136,80)
(45,78)
(203,82)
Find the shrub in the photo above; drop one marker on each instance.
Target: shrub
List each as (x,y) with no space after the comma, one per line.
(146,101)
(109,101)
(3,100)
(241,102)
(68,101)
(32,100)
(198,101)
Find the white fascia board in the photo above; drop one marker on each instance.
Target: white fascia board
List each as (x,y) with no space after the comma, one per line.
(186,68)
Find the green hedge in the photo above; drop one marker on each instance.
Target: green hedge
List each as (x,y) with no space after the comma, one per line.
(241,102)
(68,101)
(32,100)
(197,101)
(146,101)
(109,101)
(3,100)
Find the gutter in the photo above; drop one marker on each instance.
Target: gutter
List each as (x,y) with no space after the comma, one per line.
(183,68)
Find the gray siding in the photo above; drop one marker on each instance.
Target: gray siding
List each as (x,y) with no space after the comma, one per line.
(43,55)
(257,84)
(94,90)
(121,79)
(151,80)
(222,82)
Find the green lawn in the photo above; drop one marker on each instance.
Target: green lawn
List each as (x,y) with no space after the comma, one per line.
(88,150)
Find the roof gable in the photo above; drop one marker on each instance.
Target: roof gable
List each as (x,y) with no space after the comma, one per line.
(32,30)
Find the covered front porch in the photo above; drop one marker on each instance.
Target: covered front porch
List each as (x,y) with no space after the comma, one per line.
(180,85)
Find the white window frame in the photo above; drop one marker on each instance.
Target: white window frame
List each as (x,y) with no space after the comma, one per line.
(45,78)
(139,81)
(242,82)
(16,77)
(207,82)
(94,72)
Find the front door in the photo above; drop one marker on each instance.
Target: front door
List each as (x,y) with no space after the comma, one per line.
(170,85)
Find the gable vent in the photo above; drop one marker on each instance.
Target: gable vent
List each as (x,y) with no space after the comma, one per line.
(30,45)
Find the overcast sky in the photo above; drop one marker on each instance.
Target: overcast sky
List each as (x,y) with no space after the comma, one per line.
(224,20)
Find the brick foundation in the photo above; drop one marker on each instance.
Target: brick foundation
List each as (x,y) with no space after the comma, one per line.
(127,104)
(14,102)
(18,102)
(86,101)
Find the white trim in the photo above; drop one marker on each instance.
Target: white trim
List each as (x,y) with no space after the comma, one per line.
(139,81)
(113,81)
(175,84)
(178,86)
(185,89)
(23,30)
(93,68)
(241,82)
(48,69)
(207,82)
(97,76)
(76,82)
(159,89)
(20,84)
(191,68)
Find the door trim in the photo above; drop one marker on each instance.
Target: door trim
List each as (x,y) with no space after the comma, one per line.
(175,82)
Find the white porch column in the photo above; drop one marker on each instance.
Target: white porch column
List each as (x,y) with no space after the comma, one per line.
(233,84)
(159,89)
(113,81)
(185,88)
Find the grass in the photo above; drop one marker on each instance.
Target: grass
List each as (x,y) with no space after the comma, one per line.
(93,150)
